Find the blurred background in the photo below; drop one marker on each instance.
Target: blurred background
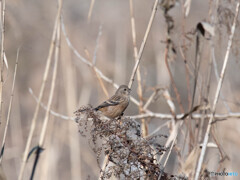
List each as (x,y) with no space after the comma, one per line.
(67,155)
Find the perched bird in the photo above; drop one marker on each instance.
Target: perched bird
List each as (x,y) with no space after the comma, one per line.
(116,105)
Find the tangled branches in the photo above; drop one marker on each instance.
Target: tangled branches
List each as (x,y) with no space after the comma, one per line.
(129,155)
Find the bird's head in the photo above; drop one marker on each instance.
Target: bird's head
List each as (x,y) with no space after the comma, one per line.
(123,90)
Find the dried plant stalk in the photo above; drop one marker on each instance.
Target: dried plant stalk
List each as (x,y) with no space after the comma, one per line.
(45,76)
(46,119)
(154,10)
(2,24)
(140,93)
(9,108)
(205,141)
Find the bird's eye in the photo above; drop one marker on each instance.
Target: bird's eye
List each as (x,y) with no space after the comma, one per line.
(125,89)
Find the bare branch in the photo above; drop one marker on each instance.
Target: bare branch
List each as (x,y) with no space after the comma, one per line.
(51,111)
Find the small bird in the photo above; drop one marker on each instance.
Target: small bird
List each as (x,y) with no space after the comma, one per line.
(116,105)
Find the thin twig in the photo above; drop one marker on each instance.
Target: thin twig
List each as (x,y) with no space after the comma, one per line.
(2,24)
(171,139)
(51,111)
(151,98)
(199,45)
(185,10)
(172,79)
(94,62)
(170,103)
(179,116)
(217,77)
(168,155)
(97,45)
(220,148)
(200,161)
(156,130)
(10,107)
(90,10)
(154,10)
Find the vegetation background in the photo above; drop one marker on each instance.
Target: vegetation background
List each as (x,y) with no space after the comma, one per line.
(101,31)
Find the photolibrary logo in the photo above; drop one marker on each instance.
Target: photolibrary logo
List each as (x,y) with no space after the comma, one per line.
(223,173)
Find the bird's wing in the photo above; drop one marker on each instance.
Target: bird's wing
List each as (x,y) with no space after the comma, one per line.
(113,101)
